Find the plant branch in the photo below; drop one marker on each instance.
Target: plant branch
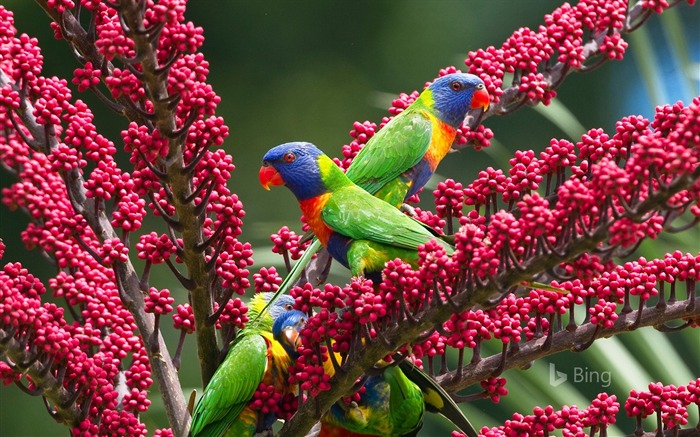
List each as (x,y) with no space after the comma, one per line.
(51,387)
(161,364)
(562,341)
(404,333)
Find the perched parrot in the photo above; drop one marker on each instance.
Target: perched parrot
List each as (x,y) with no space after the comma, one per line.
(389,405)
(392,402)
(254,357)
(400,158)
(359,230)
(286,330)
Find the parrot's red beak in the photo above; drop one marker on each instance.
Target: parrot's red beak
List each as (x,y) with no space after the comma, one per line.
(481,99)
(269,176)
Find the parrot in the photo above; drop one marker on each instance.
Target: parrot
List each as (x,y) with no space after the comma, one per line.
(359,230)
(400,158)
(389,405)
(254,357)
(286,330)
(392,402)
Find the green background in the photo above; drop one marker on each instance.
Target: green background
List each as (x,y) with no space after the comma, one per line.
(306,70)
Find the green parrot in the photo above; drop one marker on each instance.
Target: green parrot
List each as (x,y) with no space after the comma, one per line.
(389,405)
(359,230)
(392,402)
(400,158)
(254,357)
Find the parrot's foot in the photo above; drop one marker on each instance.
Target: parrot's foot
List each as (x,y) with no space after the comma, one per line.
(408,209)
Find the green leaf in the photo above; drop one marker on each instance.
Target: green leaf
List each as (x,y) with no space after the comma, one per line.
(562,118)
(674,31)
(647,65)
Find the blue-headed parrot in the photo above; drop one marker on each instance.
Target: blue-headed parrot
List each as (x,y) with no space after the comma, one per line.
(254,357)
(400,158)
(392,402)
(359,230)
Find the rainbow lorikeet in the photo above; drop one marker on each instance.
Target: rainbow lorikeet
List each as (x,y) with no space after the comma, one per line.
(392,402)
(359,230)
(389,404)
(400,158)
(254,357)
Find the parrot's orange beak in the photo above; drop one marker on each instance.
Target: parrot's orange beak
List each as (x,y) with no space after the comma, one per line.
(292,336)
(269,176)
(481,99)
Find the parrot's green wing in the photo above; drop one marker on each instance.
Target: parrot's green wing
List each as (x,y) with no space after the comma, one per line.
(354,213)
(437,399)
(404,141)
(406,402)
(231,387)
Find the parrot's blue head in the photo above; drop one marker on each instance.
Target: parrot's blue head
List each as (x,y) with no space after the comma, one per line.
(283,304)
(295,165)
(455,94)
(286,330)
(259,304)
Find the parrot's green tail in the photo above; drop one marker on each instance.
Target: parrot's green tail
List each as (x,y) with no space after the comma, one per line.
(437,399)
(295,274)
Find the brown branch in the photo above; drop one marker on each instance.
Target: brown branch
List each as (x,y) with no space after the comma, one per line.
(52,389)
(155,85)
(163,371)
(562,341)
(405,333)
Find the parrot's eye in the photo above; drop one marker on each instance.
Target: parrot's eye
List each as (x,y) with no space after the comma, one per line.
(289,306)
(289,157)
(480,86)
(456,86)
(266,163)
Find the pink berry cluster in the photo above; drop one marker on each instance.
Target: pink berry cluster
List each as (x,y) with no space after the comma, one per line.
(569,420)
(668,402)
(82,360)
(266,399)
(538,59)
(610,176)
(598,182)
(87,211)
(288,244)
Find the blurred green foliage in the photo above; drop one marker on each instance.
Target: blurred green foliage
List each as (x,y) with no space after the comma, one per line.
(306,70)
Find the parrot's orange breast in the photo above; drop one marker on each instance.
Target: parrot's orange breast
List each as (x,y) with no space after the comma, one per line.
(311,208)
(442,138)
